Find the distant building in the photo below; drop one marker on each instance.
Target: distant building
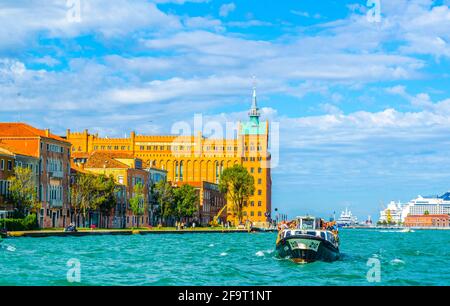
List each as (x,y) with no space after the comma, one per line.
(7,160)
(155,176)
(127,172)
(210,201)
(53,155)
(427,220)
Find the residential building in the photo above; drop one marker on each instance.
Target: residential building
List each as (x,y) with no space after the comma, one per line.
(210,202)
(53,155)
(127,172)
(155,176)
(7,161)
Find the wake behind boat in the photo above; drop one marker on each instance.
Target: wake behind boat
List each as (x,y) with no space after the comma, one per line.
(308,239)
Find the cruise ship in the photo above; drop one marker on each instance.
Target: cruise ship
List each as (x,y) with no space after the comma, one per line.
(346,219)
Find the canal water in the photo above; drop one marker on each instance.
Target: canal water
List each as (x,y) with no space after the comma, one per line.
(370,257)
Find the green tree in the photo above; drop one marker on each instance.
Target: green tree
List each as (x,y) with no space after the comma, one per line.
(186,199)
(91,192)
(22,188)
(238,185)
(426,212)
(137,202)
(165,199)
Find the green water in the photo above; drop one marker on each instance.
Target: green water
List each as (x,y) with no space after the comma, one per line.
(417,258)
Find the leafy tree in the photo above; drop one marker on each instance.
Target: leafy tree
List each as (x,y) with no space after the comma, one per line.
(137,201)
(426,212)
(23,195)
(91,192)
(165,199)
(186,199)
(238,185)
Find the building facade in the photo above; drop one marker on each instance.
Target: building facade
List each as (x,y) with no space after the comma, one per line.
(196,158)
(427,221)
(210,202)
(53,155)
(7,161)
(127,172)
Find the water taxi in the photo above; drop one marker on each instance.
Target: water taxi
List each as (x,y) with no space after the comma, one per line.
(308,239)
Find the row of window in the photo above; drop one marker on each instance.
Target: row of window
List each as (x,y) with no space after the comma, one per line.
(252,203)
(252,213)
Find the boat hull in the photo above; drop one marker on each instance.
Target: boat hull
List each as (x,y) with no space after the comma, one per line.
(306,249)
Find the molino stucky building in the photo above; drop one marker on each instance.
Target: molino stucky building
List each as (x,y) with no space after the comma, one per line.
(196,158)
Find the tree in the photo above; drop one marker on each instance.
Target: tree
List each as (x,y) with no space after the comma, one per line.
(165,200)
(91,192)
(137,201)
(426,212)
(186,199)
(238,185)
(22,188)
(105,194)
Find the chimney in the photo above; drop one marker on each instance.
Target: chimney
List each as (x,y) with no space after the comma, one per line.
(68,133)
(47,132)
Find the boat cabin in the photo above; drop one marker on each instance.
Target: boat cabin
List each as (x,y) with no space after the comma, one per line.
(308,223)
(310,226)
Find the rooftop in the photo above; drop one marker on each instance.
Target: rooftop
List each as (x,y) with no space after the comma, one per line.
(18,129)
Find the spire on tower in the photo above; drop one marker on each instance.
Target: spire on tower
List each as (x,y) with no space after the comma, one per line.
(254,110)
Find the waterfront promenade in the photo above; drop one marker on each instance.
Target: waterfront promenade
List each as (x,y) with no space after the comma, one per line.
(101,232)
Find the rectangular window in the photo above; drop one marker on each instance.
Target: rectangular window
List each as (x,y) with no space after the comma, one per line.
(259,203)
(259,214)
(259,192)
(2,164)
(10,165)
(259,181)
(252,203)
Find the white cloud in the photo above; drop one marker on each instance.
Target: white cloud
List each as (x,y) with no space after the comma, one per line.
(226,9)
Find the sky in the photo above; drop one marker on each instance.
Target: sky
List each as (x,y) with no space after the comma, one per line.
(360,89)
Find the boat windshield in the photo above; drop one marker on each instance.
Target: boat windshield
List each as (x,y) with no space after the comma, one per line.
(307,224)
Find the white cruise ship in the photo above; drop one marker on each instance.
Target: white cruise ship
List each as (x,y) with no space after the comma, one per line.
(346,219)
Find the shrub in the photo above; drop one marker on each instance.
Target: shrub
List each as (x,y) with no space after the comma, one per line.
(26,224)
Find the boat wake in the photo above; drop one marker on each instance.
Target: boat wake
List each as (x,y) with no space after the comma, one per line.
(263,253)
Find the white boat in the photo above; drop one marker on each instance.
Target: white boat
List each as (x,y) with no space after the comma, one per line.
(346,219)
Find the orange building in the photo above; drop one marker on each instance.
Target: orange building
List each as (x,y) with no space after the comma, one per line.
(53,154)
(427,221)
(7,159)
(127,172)
(197,159)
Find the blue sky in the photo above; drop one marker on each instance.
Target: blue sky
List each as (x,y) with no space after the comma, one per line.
(363,106)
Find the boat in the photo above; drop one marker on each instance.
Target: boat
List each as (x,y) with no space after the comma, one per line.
(346,219)
(308,239)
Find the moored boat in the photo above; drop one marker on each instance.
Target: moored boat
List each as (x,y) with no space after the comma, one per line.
(308,239)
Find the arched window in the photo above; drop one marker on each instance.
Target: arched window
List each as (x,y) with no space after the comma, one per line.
(181,171)
(176,171)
